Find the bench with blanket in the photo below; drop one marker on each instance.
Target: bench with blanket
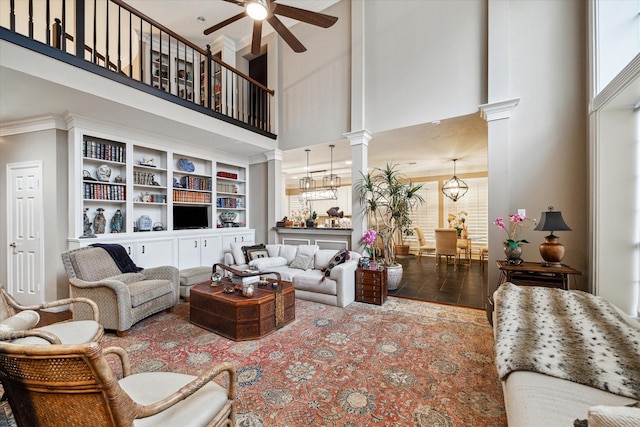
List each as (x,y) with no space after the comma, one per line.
(559,354)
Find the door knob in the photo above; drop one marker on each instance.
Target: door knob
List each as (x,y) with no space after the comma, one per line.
(13,244)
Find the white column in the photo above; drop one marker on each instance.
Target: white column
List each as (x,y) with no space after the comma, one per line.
(275,185)
(359,152)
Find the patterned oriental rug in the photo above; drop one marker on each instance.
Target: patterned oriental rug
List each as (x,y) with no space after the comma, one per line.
(407,363)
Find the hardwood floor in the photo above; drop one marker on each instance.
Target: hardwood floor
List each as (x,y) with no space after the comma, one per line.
(423,280)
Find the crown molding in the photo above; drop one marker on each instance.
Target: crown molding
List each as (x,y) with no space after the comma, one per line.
(32,125)
(498,110)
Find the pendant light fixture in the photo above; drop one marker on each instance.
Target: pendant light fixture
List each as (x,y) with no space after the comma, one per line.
(306,183)
(331,181)
(455,188)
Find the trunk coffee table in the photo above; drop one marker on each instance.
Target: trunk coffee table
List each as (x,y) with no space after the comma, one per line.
(237,317)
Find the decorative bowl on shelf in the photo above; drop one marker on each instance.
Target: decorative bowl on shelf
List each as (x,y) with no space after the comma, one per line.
(228,216)
(186,165)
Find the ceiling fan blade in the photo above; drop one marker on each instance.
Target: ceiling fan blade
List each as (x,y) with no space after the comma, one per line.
(224,23)
(239,3)
(313,18)
(257,37)
(286,35)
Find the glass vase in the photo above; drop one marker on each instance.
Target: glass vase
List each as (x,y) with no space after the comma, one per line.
(513,254)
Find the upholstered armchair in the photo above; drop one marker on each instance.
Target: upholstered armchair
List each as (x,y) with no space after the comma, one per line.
(75,385)
(124,298)
(18,323)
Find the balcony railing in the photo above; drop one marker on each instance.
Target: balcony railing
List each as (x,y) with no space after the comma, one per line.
(139,52)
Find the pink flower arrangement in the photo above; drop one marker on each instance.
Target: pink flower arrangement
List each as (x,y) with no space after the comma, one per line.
(368,238)
(515,228)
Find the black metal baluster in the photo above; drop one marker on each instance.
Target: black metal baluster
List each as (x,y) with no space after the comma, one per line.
(47,23)
(209,77)
(130,45)
(119,39)
(80,29)
(95,31)
(12,15)
(140,53)
(63,35)
(106,42)
(30,19)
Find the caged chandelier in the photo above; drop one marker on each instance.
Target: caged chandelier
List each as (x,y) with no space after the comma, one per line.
(307,183)
(331,181)
(455,188)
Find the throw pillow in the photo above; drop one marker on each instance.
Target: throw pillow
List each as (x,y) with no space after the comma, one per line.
(256,253)
(340,257)
(246,249)
(262,264)
(22,321)
(300,262)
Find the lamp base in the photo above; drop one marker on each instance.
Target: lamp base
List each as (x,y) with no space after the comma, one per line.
(551,251)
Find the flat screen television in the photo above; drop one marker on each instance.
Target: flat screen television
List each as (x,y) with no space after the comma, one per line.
(189,217)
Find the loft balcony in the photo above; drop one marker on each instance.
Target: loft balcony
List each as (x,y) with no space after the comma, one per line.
(111,39)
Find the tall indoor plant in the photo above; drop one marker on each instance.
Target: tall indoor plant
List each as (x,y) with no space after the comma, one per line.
(388,198)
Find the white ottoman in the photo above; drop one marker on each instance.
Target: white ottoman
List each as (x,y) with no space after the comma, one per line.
(192,276)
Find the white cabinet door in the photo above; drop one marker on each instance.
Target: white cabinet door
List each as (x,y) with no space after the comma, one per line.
(210,250)
(188,252)
(245,237)
(154,253)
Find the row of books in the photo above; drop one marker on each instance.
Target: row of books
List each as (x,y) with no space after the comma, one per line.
(102,151)
(230,202)
(226,188)
(104,191)
(143,178)
(196,183)
(190,197)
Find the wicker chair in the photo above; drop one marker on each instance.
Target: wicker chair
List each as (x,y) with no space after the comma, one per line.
(74,385)
(17,323)
(424,246)
(123,298)
(447,245)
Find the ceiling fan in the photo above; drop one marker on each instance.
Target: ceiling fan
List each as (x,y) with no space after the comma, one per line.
(260,10)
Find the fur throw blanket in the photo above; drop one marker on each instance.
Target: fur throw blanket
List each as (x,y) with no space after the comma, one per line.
(571,335)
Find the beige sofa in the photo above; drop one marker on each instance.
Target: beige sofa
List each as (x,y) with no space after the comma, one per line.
(310,284)
(535,399)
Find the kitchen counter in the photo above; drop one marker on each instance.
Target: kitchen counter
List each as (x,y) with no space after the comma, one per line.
(325,238)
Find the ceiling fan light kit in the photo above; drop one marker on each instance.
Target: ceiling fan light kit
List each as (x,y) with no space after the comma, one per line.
(257,9)
(260,10)
(455,188)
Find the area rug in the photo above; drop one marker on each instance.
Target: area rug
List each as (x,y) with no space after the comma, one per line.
(406,363)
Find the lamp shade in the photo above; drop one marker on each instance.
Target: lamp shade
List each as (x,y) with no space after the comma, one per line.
(552,251)
(552,221)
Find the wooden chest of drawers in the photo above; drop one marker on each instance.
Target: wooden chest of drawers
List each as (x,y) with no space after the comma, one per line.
(371,286)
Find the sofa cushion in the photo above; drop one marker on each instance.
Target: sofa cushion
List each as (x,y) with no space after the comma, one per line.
(288,252)
(322,258)
(147,290)
(238,254)
(315,281)
(22,321)
(262,264)
(286,273)
(93,264)
(300,262)
(257,253)
(274,250)
(308,251)
(246,249)
(128,278)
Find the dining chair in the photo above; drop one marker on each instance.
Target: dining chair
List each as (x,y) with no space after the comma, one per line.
(424,246)
(75,385)
(447,245)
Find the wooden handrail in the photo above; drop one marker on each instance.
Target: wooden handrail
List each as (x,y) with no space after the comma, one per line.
(188,43)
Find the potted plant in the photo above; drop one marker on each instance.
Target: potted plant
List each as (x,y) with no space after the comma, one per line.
(311,220)
(388,198)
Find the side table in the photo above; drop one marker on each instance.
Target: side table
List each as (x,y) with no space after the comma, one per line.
(371,286)
(535,274)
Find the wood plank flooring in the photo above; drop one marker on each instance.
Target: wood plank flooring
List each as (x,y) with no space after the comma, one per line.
(424,280)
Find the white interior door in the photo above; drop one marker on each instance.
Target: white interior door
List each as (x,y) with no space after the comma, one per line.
(24,230)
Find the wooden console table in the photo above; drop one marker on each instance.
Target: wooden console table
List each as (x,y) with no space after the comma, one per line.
(535,274)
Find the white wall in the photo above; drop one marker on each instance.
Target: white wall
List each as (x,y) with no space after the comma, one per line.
(425,60)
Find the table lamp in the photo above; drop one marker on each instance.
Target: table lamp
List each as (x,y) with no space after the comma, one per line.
(551,250)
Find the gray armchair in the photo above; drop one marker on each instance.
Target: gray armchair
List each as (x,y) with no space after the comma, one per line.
(123,298)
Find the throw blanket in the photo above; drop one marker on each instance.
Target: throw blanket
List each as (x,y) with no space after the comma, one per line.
(571,335)
(120,257)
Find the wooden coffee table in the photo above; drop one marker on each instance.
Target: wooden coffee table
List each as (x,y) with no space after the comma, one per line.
(242,318)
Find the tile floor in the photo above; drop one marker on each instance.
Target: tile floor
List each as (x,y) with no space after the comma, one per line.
(423,280)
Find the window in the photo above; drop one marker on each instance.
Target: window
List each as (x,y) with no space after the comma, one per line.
(475,204)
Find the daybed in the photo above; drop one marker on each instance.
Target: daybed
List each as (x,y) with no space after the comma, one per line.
(305,266)
(564,356)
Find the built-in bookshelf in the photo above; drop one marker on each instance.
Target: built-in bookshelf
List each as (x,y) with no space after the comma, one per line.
(231,194)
